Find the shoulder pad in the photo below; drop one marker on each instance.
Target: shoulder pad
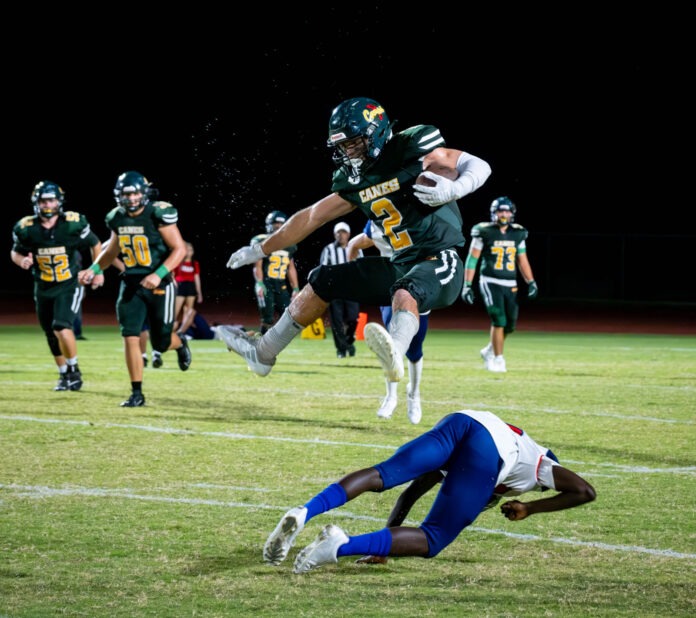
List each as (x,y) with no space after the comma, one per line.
(426,137)
(479,227)
(113,212)
(27,221)
(164,213)
(70,216)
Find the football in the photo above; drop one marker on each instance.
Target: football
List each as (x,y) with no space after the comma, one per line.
(424,180)
(436,169)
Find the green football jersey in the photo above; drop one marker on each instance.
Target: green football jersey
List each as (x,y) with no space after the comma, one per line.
(275,265)
(385,194)
(499,252)
(54,249)
(142,247)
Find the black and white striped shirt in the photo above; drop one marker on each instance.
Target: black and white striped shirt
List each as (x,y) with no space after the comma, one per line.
(333,254)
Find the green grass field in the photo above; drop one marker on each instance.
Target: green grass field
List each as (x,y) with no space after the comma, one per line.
(163,510)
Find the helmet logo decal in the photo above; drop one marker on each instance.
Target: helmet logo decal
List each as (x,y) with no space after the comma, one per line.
(338,137)
(372,111)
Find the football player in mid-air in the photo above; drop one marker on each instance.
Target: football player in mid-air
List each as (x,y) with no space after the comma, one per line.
(501,245)
(376,172)
(49,243)
(273,273)
(146,238)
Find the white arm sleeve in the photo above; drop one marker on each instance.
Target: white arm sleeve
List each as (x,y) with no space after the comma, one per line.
(473,172)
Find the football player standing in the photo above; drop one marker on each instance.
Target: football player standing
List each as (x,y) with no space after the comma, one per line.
(49,243)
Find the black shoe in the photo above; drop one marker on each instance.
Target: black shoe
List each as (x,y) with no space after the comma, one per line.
(81,338)
(157,361)
(74,378)
(340,354)
(134,401)
(184,354)
(144,360)
(62,383)
(351,350)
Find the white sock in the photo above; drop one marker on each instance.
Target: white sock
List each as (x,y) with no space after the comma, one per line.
(402,328)
(391,389)
(415,371)
(277,338)
(71,361)
(63,369)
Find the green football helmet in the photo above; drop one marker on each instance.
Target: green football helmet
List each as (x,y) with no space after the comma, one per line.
(46,190)
(275,217)
(502,204)
(133,182)
(358,118)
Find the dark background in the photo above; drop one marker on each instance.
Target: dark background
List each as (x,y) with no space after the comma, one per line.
(582,116)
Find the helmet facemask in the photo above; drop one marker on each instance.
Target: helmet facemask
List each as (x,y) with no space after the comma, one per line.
(502,216)
(352,119)
(43,192)
(128,184)
(503,211)
(124,200)
(342,156)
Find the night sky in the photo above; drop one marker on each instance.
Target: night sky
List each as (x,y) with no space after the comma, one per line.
(582,119)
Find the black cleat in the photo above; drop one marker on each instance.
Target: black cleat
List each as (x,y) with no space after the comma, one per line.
(144,360)
(157,361)
(62,382)
(134,401)
(184,354)
(74,378)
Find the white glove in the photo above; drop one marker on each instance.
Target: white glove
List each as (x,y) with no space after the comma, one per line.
(260,291)
(444,191)
(246,255)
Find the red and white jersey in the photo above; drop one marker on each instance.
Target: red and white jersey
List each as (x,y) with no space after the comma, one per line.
(526,466)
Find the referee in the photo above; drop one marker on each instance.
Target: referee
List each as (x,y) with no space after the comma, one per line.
(343,313)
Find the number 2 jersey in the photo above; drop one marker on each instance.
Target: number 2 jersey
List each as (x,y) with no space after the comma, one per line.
(384,192)
(141,246)
(54,249)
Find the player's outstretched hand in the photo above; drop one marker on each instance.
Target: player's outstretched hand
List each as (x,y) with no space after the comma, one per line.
(246,255)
